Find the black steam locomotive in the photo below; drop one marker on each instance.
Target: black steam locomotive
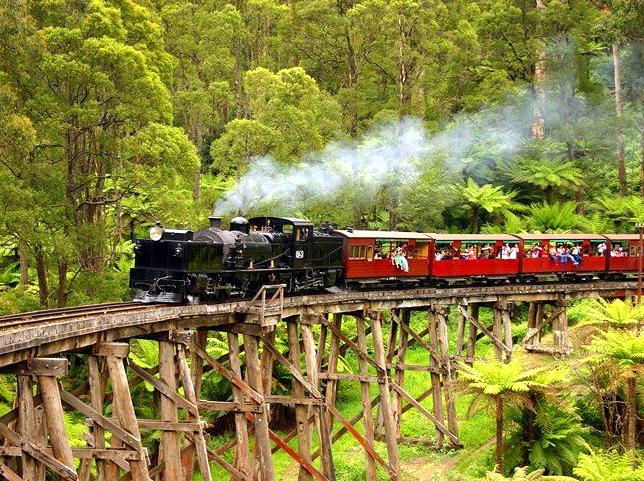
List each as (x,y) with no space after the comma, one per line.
(202,266)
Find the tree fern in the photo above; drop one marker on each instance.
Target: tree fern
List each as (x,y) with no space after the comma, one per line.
(522,474)
(609,466)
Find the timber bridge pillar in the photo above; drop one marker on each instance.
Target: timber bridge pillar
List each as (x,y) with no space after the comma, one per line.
(170,437)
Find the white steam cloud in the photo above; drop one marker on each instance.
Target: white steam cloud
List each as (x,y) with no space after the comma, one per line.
(393,153)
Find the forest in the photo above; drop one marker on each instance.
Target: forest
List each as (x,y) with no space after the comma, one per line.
(419,115)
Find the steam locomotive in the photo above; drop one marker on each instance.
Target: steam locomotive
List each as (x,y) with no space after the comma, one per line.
(213,263)
(183,266)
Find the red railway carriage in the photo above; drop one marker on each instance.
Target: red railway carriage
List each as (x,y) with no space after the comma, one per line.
(539,254)
(459,256)
(622,252)
(370,256)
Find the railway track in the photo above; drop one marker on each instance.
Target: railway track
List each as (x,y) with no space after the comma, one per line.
(63,314)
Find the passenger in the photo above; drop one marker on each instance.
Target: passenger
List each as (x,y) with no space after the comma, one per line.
(567,256)
(401,260)
(485,251)
(439,255)
(505,251)
(575,252)
(514,252)
(601,248)
(536,251)
(377,254)
(553,253)
(471,253)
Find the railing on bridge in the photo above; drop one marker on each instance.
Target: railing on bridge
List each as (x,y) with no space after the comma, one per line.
(266,306)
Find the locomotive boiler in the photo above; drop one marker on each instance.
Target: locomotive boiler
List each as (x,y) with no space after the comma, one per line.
(214,263)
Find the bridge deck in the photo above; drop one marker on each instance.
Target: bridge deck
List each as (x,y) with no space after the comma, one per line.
(32,335)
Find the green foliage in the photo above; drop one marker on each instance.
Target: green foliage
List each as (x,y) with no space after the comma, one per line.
(523,474)
(609,466)
(624,348)
(616,313)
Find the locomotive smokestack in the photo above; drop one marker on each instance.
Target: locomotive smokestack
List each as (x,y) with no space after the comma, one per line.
(215,221)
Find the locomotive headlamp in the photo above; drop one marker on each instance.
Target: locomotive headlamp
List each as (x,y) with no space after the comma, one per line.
(156,232)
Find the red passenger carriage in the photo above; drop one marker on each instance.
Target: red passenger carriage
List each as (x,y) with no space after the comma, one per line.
(460,256)
(540,255)
(373,256)
(622,252)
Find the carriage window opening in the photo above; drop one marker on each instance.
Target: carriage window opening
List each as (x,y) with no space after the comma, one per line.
(422,250)
(369,253)
(633,250)
(287,229)
(362,252)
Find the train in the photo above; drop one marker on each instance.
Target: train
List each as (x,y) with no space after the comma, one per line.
(182,266)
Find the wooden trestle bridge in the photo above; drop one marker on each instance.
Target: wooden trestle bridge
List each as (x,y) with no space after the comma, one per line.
(34,347)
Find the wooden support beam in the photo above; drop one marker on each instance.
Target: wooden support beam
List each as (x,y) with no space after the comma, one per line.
(198,436)
(434,362)
(262,436)
(385,400)
(448,377)
(50,392)
(26,422)
(332,365)
(365,396)
(324,435)
(495,339)
(122,402)
(471,338)
(301,411)
(172,469)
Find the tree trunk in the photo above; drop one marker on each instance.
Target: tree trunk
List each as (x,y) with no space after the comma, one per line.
(538,125)
(41,270)
(499,434)
(642,159)
(476,212)
(631,401)
(621,156)
(23,256)
(61,292)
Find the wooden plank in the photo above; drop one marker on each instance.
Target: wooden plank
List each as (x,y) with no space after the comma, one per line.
(540,323)
(172,469)
(243,459)
(122,455)
(343,376)
(228,406)
(507,333)
(365,397)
